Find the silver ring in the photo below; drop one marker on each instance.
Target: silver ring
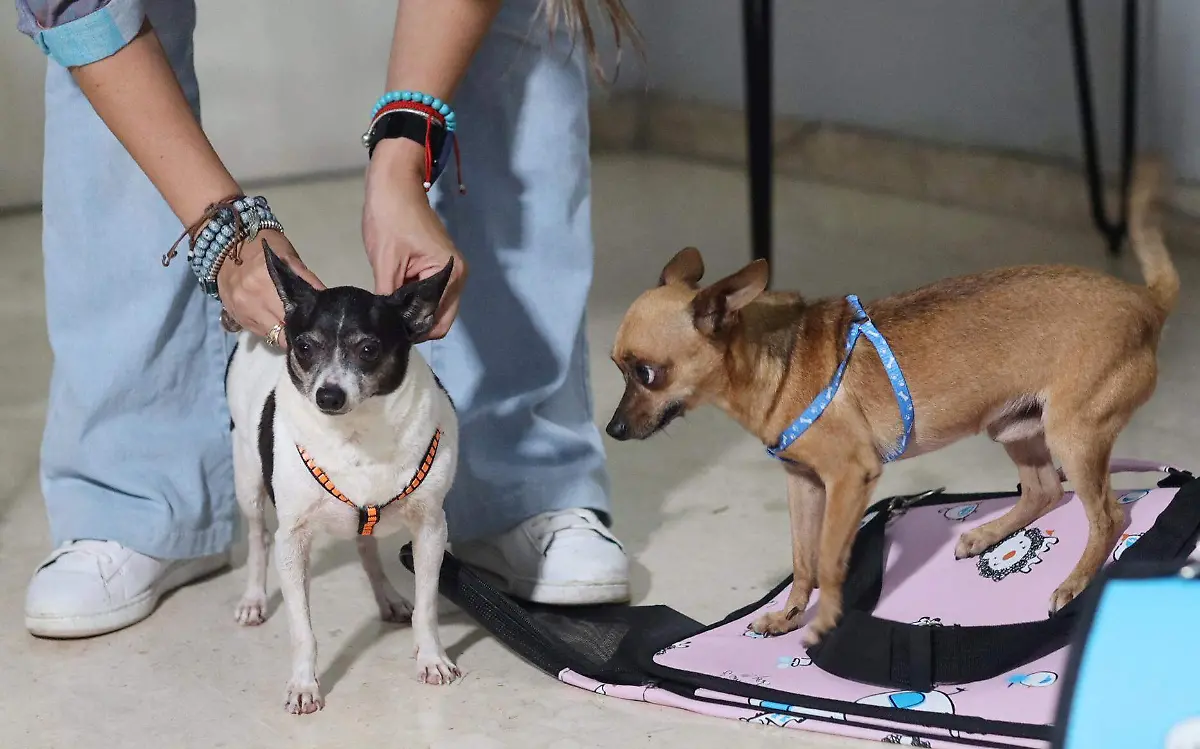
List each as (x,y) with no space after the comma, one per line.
(273,335)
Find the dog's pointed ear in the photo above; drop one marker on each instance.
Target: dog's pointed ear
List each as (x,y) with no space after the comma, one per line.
(418,301)
(715,308)
(687,268)
(293,290)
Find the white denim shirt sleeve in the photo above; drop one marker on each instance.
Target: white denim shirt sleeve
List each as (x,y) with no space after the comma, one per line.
(79,32)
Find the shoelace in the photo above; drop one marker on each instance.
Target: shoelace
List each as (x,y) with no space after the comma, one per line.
(98,550)
(546,528)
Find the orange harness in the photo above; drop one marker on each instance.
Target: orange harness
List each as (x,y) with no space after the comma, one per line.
(368,516)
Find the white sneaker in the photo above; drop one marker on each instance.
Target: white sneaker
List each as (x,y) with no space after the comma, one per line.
(87,588)
(566,557)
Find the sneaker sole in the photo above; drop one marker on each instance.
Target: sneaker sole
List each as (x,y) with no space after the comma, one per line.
(574,594)
(132,612)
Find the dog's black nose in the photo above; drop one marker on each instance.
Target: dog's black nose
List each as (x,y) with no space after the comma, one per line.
(618,429)
(330,398)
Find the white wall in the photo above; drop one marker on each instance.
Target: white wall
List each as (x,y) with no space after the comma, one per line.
(972,72)
(22,66)
(1177,88)
(296,100)
(979,72)
(967,71)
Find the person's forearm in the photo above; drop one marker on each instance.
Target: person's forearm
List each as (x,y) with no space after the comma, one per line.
(137,96)
(432,46)
(434,41)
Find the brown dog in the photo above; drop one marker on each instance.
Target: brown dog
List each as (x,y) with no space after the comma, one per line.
(1048,360)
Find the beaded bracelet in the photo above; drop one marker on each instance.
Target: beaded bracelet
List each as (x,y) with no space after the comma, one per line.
(416,97)
(435,113)
(227,225)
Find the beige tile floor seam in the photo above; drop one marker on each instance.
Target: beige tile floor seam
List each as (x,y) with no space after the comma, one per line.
(189,677)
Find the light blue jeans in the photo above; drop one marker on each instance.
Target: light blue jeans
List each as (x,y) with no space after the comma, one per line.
(136,447)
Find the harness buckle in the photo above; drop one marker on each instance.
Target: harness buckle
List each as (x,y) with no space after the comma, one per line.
(898,506)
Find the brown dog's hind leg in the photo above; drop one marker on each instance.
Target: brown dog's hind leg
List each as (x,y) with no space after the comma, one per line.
(846,500)
(806,505)
(1085,453)
(1041,490)
(1083,420)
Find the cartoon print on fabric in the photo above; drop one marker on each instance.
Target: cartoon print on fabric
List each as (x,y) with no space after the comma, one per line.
(929,621)
(762,681)
(1017,553)
(675,646)
(924,702)
(896,738)
(603,689)
(753,635)
(1035,679)
(787,661)
(774,713)
(1130,497)
(960,513)
(1127,540)
(1184,734)
(773,719)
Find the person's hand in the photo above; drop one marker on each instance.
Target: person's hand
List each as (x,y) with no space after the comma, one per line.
(404,238)
(246,290)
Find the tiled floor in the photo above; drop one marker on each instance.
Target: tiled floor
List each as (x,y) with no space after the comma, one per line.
(702,510)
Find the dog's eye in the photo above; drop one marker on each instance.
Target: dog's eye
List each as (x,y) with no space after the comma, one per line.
(303,351)
(368,352)
(646,374)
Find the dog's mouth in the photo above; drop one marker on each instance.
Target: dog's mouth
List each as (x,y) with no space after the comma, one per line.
(672,412)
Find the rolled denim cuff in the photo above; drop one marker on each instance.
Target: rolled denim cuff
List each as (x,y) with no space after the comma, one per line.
(91,37)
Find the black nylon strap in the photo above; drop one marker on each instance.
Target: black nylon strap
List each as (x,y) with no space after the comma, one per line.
(920,654)
(406,124)
(899,655)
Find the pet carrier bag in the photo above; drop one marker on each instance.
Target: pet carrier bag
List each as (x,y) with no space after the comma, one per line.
(931,651)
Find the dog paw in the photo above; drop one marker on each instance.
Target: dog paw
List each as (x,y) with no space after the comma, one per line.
(820,627)
(251,611)
(775,623)
(395,609)
(303,698)
(1066,593)
(972,543)
(437,669)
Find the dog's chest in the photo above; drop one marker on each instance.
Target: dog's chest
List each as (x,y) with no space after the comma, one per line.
(363,482)
(344,492)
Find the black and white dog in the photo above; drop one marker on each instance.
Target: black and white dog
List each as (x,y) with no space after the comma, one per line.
(349,432)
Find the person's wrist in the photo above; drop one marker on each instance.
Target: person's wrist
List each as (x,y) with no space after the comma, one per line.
(401,159)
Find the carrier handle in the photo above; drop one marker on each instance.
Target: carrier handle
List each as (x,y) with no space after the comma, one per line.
(1136,465)
(897,655)
(1175,476)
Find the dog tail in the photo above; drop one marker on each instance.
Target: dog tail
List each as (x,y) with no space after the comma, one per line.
(1146,237)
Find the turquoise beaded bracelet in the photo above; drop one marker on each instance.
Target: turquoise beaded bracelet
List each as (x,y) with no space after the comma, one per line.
(437,104)
(228,228)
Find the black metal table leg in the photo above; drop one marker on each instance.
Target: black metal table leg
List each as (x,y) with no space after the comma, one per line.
(1113,230)
(756,31)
